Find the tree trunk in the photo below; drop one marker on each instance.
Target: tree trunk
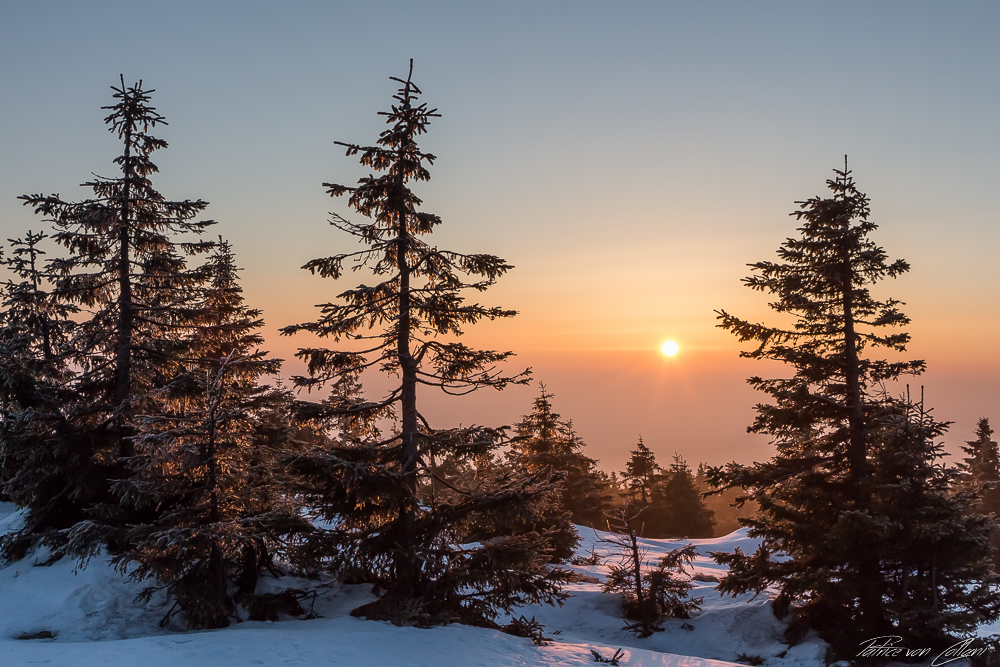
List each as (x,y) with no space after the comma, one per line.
(123,360)
(407,570)
(211,459)
(636,567)
(867,562)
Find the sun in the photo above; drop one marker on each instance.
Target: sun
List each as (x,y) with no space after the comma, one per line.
(670,348)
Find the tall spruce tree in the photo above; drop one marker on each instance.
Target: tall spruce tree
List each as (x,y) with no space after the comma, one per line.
(207,456)
(127,268)
(849,478)
(370,488)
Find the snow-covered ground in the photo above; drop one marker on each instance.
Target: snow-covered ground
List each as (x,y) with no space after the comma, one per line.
(724,628)
(94,621)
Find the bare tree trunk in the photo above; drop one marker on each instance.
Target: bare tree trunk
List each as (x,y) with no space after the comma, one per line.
(636,566)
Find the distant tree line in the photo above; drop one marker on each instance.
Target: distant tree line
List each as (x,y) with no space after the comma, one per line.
(141,418)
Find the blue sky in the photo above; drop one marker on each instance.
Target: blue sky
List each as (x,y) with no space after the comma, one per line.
(629,159)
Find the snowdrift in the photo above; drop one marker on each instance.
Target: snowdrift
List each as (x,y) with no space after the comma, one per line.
(88,617)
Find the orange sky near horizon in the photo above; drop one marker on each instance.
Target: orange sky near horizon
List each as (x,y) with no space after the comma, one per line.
(628,163)
(593,338)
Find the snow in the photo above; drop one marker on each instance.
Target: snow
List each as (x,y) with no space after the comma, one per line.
(95,621)
(723,629)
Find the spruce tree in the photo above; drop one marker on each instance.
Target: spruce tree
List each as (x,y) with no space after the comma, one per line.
(678,509)
(369,487)
(847,473)
(546,441)
(648,595)
(207,456)
(640,473)
(980,469)
(980,474)
(643,477)
(935,553)
(38,445)
(127,270)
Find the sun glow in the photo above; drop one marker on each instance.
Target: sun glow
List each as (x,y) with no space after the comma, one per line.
(670,348)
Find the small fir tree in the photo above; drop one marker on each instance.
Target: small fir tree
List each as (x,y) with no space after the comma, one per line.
(369,487)
(679,510)
(980,474)
(547,442)
(850,468)
(648,596)
(640,473)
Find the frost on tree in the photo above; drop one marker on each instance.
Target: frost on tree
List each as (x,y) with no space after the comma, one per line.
(208,454)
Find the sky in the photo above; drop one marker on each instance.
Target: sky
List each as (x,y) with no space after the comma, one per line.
(628,159)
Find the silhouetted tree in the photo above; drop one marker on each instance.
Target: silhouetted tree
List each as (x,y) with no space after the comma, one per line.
(677,508)
(980,474)
(369,488)
(640,473)
(38,445)
(851,476)
(547,442)
(643,479)
(127,268)
(981,468)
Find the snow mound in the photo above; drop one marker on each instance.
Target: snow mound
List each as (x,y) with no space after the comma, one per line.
(89,617)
